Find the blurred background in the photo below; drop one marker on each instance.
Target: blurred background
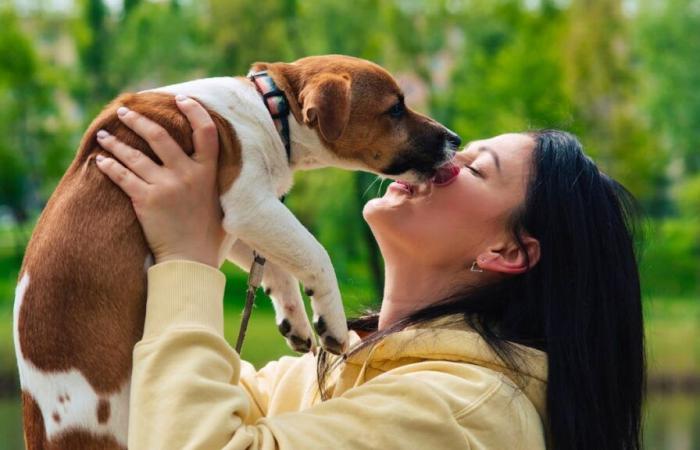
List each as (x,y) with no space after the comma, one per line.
(622,74)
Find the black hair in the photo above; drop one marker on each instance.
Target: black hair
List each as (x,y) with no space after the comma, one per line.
(581,302)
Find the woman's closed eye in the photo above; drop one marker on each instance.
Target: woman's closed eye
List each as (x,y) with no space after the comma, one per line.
(474,170)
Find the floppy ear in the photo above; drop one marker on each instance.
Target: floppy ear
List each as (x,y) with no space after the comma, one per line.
(326,103)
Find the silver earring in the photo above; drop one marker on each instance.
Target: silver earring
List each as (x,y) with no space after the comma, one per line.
(475,267)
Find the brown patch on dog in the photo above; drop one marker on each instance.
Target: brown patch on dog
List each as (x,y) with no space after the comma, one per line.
(85,304)
(103,410)
(348,100)
(83,440)
(34,434)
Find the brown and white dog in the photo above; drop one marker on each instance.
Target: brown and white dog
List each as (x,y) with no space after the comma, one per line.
(80,301)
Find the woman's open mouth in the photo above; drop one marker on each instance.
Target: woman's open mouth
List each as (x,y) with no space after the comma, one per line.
(405,185)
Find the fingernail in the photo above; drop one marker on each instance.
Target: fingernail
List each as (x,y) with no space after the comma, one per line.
(122,111)
(180,97)
(99,158)
(102,134)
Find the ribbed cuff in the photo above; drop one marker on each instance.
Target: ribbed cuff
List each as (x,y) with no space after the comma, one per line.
(184,293)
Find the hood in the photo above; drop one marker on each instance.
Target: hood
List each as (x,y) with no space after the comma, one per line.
(451,339)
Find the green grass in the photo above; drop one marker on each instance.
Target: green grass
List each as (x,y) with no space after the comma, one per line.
(263,342)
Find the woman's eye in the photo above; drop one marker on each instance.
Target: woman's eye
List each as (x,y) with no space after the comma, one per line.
(473,170)
(397,110)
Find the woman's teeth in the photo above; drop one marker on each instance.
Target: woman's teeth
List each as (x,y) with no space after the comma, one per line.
(407,185)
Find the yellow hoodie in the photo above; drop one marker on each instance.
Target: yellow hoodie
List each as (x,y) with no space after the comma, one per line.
(434,387)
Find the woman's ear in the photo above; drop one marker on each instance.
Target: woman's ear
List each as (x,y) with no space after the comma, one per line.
(511,258)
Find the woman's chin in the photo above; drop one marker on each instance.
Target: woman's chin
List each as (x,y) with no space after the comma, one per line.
(386,213)
(381,206)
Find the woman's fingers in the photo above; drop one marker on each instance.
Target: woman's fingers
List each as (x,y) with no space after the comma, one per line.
(204,133)
(132,185)
(135,160)
(155,135)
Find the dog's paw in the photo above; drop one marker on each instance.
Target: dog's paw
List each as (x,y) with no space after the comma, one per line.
(298,338)
(328,341)
(329,322)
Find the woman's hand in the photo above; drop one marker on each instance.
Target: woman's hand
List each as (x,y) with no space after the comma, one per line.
(177,203)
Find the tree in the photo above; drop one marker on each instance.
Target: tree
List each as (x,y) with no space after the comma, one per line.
(669,45)
(603,86)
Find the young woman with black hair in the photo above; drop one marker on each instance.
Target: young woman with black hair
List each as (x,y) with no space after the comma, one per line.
(511,315)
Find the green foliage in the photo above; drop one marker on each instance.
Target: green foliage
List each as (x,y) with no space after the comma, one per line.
(689,197)
(669,44)
(180,48)
(670,263)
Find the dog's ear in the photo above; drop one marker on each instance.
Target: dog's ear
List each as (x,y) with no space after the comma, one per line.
(326,103)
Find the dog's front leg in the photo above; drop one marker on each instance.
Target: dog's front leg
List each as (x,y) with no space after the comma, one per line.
(283,290)
(269,227)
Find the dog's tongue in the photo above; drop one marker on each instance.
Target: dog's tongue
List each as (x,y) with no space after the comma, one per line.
(445,173)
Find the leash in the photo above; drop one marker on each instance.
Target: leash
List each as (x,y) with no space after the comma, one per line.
(254,280)
(276,103)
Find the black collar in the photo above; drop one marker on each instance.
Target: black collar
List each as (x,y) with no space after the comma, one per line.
(276,103)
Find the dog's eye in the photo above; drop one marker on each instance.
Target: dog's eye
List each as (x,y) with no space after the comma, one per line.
(397,110)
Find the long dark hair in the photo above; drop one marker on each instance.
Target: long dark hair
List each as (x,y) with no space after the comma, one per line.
(580,303)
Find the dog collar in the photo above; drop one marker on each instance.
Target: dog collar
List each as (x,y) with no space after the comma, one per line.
(276,103)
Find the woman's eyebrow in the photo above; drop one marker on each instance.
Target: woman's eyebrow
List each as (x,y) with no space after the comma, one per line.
(490,151)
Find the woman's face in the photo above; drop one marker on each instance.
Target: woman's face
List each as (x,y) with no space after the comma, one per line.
(449,226)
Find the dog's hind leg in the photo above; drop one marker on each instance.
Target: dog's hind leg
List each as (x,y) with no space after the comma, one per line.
(283,290)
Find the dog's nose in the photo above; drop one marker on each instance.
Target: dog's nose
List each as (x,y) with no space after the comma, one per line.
(453,139)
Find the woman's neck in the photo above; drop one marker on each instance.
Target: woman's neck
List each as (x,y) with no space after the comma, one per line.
(409,288)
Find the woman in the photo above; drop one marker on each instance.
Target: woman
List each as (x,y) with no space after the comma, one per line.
(511,315)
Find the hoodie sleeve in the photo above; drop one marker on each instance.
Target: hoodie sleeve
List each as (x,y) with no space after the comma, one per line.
(189,295)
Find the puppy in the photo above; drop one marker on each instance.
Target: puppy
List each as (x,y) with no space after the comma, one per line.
(80,300)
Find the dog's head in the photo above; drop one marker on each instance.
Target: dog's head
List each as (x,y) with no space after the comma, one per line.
(359,113)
